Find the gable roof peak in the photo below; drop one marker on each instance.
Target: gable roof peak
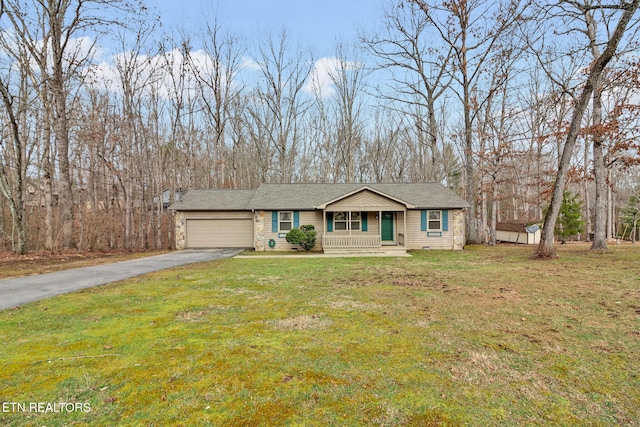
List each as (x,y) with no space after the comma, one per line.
(365,187)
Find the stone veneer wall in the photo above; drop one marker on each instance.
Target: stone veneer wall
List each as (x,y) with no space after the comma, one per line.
(458,229)
(181,228)
(258,231)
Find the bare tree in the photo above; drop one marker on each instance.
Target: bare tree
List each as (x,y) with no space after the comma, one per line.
(475,31)
(58,24)
(587,10)
(347,77)
(546,247)
(12,160)
(280,106)
(217,74)
(418,64)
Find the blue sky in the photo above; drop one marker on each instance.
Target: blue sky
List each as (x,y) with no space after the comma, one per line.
(315,24)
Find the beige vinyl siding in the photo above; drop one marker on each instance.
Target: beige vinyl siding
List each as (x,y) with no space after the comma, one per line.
(372,223)
(417,239)
(365,201)
(222,229)
(306,217)
(400,237)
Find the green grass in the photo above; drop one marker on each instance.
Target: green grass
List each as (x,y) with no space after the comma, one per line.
(482,337)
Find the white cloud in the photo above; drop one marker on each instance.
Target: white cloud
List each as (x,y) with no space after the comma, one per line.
(168,72)
(323,74)
(79,50)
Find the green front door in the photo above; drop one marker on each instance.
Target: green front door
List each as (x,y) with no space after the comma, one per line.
(387,226)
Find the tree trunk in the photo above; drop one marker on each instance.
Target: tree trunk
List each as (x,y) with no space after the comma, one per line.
(546,247)
(599,231)
(494,212)
(57,12)
(47,172)
(587,196)
(610,207)
(14,193)
(600,237)
(473,230)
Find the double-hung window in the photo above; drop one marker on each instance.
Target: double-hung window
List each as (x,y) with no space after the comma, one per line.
(343,221)
(434,220)
(355,220)
(340,221)
(285,222)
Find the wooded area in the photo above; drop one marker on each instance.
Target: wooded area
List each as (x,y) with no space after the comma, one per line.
(508,103)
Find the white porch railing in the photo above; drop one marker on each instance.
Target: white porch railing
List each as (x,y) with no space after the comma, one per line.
(362,241)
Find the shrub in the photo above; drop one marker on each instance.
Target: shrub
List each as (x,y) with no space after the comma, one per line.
(305,236)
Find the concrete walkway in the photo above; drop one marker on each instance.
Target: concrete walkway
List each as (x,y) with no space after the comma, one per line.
(18,291)
(323,255)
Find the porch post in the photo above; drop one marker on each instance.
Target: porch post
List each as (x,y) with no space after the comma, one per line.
(404,240)
(324,226)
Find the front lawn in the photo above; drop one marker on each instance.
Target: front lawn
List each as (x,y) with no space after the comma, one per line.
(481,337)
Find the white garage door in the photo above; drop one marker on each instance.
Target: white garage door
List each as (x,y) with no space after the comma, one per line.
(219,233)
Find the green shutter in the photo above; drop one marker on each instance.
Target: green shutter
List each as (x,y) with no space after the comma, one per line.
(423,221)
(274,221)
(445,220)
(365,225)
(296,219)
(329,222)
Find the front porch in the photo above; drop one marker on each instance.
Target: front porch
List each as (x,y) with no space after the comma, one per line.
(364,221)
(364,231)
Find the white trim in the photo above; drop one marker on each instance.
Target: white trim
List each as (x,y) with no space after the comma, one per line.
(434,230)
(280,221)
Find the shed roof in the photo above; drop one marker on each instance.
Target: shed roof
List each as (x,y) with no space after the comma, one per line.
(311,196)
(520,227)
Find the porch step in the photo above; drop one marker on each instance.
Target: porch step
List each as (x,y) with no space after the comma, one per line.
(390,250)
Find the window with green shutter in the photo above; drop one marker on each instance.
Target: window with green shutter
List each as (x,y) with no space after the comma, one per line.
(285,222)
(434,221)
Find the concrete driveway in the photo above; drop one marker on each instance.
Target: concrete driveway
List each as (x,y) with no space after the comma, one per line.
(14,292)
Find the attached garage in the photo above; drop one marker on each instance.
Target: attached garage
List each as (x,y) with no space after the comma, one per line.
(222,232)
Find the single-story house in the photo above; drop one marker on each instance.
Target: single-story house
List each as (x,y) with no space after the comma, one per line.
(346,217)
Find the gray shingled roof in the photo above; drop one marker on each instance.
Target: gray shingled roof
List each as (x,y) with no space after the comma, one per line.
(212,200)
(309,196)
